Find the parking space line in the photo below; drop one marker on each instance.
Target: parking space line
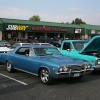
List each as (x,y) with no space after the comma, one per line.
(14,79)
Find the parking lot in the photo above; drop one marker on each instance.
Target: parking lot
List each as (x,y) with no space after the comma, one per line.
(23,86)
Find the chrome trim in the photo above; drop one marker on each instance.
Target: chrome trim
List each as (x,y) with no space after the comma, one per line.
(25,71)
(70,72)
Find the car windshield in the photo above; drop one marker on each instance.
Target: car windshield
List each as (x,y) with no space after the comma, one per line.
(79,45)
(46,51)
(2,45)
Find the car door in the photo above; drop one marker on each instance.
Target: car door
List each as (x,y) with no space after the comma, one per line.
(67,49)
(27,62)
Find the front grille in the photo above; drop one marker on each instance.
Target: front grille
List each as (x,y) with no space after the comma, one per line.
(76,67)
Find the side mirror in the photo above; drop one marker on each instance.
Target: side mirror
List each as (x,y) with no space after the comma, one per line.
(27,55)
(68,49)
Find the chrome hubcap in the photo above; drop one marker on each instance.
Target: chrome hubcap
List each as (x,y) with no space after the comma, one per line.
(44,76)
(8,66)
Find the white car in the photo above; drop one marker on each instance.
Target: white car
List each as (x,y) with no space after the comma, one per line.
(4,49)
(48,44)
(18,44)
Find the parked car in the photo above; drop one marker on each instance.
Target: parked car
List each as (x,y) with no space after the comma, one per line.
(46,40)
(18,40)
(54,41)
(6,43)
(57,42)
(3,48)
(18,44)
(32,40)
(82,49)
(46,44)
(47,62)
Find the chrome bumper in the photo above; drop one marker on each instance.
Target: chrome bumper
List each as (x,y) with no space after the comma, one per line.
(97,67)
(72,73)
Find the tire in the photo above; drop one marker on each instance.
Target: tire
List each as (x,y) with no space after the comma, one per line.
(9,67)
(45,76)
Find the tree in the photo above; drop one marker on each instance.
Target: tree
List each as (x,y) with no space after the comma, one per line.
(62,22)
(78,21)
(67,23)
(35,18)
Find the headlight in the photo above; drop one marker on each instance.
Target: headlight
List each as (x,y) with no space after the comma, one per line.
(63,69)
(98,61)
(60,69)
(88,66)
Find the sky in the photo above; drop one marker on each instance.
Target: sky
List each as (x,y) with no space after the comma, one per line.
(52,10)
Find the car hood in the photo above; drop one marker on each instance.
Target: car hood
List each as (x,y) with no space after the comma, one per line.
(4,49)
(92,45)
(63,60)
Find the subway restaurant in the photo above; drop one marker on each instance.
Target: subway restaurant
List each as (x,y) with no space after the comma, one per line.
(10,28)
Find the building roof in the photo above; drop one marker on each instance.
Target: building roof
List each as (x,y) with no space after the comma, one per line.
(52,24)
(91,27)
(0,22)
(86,27)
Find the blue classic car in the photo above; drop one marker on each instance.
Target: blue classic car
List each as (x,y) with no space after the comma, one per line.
(82,49)
(46,62)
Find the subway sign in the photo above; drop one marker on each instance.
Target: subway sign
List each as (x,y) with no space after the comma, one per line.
(39,28)
(17,27)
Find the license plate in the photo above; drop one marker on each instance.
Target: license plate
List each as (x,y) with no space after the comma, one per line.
(76,74)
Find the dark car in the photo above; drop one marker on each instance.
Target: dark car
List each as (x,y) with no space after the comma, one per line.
(6,43)
(18,40)
(54,41)
(57,42)
(46,40)
(32,41)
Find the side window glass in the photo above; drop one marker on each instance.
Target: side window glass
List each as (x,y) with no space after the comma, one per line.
(66,46)
(22,51)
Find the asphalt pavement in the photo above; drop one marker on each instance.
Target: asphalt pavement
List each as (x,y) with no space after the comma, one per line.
(23,86)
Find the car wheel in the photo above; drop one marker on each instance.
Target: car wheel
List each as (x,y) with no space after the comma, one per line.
(45,76)
(9,67)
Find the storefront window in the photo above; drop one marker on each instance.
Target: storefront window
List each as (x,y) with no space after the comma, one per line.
(9,35)
(77,36)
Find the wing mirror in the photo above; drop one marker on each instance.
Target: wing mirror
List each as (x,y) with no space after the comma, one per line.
(68,49)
